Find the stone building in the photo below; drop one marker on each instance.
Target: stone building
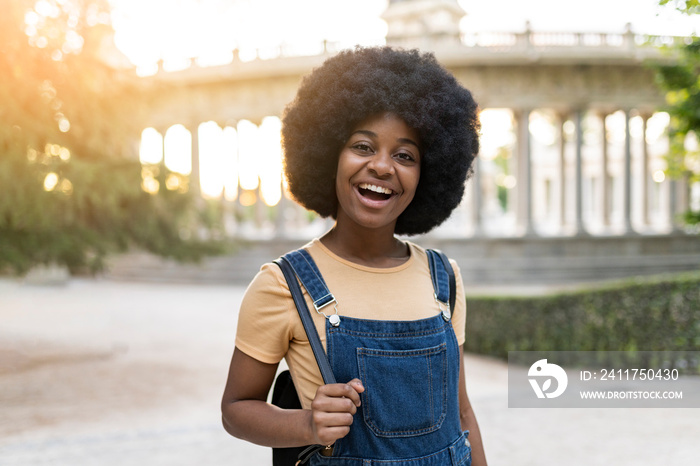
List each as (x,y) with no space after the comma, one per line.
(570,184)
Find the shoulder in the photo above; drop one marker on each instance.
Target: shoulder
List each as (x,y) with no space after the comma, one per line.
(266,315)
(268,281)
(421,254)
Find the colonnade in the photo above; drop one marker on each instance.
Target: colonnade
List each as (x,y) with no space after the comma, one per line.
(568,181)
(250,167)
(571,169)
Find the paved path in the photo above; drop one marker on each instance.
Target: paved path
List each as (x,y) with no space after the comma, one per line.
(116,374)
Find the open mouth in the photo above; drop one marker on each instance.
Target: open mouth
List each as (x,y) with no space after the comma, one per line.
(373,192)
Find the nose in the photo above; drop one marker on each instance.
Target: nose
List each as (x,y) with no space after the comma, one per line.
(381,164)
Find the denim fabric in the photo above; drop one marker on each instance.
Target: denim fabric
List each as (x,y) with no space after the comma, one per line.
(410,406)
(307,271)
(441,281)
(457,454)
(410,369)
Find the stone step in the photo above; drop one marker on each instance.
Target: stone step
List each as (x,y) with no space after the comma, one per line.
(485,261)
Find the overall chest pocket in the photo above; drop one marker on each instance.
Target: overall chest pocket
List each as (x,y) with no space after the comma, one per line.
(406,390)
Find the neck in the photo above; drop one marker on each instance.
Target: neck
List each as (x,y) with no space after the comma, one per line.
(370,247)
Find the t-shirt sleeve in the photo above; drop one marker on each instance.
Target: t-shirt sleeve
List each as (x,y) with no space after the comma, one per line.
(459,316)
(264,325)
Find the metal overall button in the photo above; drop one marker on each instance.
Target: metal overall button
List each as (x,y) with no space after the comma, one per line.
(444,309)
(334,318)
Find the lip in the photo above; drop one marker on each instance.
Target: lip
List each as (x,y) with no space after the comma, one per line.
(374,203)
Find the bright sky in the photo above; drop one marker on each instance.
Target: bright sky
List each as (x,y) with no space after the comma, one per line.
(174,30)
(210,29)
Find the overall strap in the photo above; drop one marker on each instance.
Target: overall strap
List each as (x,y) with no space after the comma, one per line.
(290,274)
(444,282)
(305,268)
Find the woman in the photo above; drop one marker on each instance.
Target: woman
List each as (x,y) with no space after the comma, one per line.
(382,140)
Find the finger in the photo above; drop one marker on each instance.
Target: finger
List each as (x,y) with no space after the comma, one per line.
(340,390)
(324,419)
(357,385)
(329,427)
(334,404)
(329,435)
(356,388)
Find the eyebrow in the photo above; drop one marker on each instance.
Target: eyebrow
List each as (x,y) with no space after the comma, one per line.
(372,134)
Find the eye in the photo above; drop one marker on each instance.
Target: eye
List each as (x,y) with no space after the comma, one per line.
(362,147)
(405,156)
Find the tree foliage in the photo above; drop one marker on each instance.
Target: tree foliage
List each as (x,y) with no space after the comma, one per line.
(70,178)
(684,6)
(681,82)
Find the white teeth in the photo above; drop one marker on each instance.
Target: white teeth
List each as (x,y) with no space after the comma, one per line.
(376,189)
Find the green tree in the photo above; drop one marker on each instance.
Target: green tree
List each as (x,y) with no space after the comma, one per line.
(681,82)
(70,178)
(684,6)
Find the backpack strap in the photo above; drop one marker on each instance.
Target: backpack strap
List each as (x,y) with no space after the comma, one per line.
(444,282)
(300,264)
(290,274)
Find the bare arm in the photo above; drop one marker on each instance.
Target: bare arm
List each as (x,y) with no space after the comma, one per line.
(247,415)
(468,418)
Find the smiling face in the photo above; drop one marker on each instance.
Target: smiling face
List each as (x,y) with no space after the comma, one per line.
(378,172)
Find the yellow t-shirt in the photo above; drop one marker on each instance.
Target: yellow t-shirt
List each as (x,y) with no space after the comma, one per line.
(269,327)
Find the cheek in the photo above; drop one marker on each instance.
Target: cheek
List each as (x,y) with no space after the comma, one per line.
(341,180)
(338,177)
(412,181)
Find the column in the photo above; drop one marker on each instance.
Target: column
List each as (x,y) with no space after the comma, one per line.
(604,175)
(645,171)
(195,180)
(627,179)
(578,196)
(280,218)
(162,131)
(524,178)
(678,201)
(673,205)
(476,198)
(162,169)
(260,208)
(684,192)
(561,119)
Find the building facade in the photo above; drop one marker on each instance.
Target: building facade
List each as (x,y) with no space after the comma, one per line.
(573,143)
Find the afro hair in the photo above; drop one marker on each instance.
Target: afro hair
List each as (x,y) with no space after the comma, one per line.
(356,84)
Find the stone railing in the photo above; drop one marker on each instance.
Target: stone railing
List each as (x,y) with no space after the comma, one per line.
(270,53)
(484,41)
(534,40)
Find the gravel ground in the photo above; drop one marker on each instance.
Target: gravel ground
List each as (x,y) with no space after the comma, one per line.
(96,372)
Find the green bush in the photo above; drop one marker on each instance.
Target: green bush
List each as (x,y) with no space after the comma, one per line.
(657,314)
(104,212)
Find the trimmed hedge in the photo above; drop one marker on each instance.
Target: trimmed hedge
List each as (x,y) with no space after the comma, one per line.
(657,314)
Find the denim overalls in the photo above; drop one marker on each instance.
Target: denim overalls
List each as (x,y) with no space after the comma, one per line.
(410,369)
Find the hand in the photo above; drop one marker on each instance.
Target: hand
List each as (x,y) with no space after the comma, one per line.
(332,410)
